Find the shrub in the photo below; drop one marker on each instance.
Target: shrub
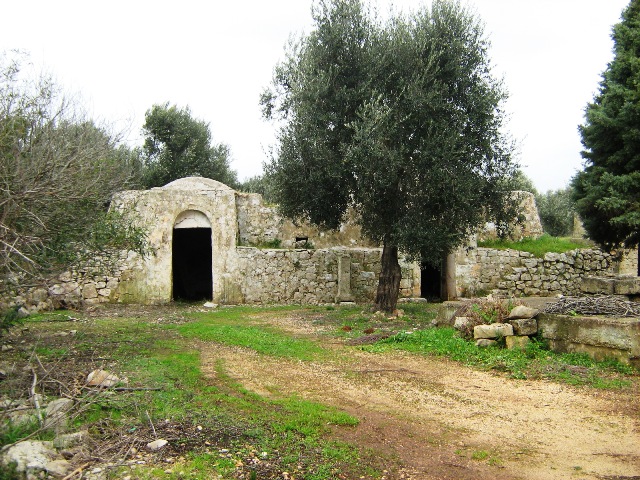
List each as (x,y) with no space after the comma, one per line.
(8,319)
(483,311)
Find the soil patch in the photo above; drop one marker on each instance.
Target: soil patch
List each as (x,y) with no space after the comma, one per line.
(431,418)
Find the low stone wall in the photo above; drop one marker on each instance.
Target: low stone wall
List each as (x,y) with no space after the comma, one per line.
(514,273)
(261,276)
(316,276)
(92,282)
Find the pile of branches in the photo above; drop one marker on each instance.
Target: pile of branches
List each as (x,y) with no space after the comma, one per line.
(609,305)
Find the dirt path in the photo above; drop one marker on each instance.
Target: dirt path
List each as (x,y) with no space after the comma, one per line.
(434,415)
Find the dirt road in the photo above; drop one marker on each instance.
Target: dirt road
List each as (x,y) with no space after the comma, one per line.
(441,420)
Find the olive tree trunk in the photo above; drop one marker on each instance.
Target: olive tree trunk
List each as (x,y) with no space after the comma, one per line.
(389,280)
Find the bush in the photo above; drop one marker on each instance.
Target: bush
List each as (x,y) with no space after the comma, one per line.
(484,311)
(8,319)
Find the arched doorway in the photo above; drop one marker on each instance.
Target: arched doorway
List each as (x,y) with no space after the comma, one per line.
(192,274)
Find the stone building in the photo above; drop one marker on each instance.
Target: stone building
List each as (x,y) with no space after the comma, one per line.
(211,242)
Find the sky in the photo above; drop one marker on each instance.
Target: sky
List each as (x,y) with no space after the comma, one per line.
(216,57)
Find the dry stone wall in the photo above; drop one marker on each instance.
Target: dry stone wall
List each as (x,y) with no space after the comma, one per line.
(514,273)
(94,281)
(343,267)
(315,276)
(259,224)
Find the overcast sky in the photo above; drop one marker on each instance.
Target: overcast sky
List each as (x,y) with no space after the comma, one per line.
(217,56)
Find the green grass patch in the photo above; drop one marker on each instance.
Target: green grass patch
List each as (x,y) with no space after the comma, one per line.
(538,247)
(237,327)
(354,321)
(533,362)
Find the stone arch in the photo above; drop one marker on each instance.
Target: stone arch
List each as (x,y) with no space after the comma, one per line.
(192,257)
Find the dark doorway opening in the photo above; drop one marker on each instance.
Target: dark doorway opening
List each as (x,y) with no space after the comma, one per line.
(192,273)
(430,281)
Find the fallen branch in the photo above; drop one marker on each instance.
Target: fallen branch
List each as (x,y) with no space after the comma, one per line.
(76,471)
(152,427)
(609,305)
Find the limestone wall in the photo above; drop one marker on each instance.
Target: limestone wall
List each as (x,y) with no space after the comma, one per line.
(259,223)
(315,276)
(94,281)
(484,270)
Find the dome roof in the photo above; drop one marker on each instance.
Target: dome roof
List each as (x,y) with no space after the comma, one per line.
(197,184)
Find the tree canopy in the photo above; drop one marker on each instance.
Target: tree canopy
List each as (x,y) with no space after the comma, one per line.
(556,209)
(607,191)
(401,120)
(177,145)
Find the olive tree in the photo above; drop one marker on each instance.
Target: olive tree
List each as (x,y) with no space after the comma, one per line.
(401,120)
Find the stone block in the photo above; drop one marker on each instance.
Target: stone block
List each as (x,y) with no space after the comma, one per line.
(446,311)
(485,342)
(56,414)
(517,342)
(39,295)
(492,331)
(627,286)
(57,290)
(597,285)
(600,337)
(522,311)
(524,326)
(460,323)
(89,291)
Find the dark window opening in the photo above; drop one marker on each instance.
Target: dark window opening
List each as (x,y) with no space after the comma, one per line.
(302,239)
(192,271)
(430,281)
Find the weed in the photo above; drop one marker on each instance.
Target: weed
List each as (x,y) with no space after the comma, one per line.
(275,243)
(10,472)
(480,455)
(11,432)
(534,362)
(538,247)
(9,318)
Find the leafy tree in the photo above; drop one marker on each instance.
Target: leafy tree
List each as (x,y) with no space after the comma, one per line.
(177,145)
(402,120)
(607,191)
(556,210)
(261,184)
(58,171)
(520,181)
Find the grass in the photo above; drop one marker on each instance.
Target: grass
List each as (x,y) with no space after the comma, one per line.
(237,425)
(235,326)
(352,322)
(292,433)
(533,362)
(538,247)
